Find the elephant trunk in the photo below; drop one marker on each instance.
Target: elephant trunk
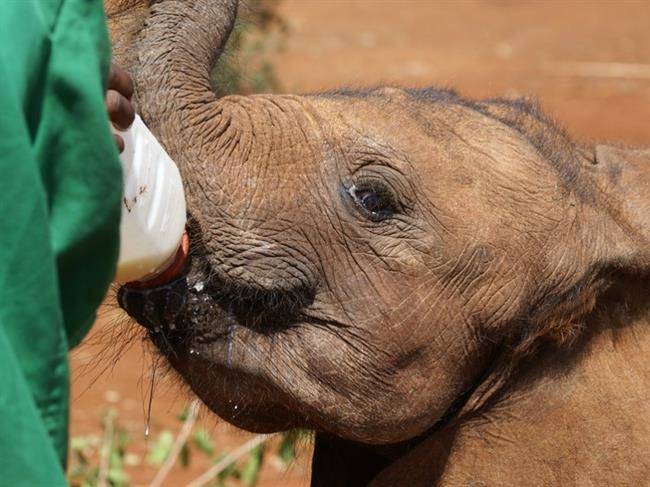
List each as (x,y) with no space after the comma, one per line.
(169,47)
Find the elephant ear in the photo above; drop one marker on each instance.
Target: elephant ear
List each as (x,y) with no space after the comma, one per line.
(604,258)
(613,181)
(623,177)
(609,246)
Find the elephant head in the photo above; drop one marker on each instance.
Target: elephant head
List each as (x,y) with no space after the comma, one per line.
(369,264)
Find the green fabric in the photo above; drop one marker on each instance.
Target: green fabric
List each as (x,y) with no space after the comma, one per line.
(60,190)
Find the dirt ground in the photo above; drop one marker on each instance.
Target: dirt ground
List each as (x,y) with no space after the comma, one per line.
(588,63)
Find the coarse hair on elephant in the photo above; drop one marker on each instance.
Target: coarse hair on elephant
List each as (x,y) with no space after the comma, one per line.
(447,291)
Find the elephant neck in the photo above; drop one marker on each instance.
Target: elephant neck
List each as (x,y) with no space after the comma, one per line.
(582,410)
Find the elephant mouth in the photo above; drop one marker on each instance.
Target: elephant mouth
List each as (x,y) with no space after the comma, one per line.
(214,335)
(179,305)
(187,306)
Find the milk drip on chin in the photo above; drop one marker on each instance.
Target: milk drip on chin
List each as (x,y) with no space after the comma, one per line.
(153,215)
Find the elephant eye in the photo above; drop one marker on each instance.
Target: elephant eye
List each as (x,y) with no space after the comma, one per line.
(375,201)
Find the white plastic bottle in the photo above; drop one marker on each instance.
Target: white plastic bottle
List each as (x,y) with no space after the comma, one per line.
(153,206)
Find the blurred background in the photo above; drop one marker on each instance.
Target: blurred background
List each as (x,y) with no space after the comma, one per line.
(586,62)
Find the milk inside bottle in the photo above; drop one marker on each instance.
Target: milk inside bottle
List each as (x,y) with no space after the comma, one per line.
(153,206)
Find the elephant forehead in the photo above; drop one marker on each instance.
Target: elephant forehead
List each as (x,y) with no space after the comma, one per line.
(464,158)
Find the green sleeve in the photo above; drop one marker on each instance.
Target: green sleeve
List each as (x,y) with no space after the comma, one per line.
(60,193)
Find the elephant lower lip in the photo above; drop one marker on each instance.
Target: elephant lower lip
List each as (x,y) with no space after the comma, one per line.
(155,308)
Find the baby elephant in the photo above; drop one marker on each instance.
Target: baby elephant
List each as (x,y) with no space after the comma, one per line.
(447,291)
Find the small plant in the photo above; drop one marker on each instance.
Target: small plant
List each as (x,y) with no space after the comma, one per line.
(103,460)
(243,67)
(83,470)
(100,461)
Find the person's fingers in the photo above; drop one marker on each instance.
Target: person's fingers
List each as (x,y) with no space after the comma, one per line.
(119,142)
(120,110)
(120,81)
(118,104)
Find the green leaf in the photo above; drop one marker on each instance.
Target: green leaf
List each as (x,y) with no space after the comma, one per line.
(203,441)
(80,458)
(161,448)
(80,443)
(287,449)
(115,460)
(184,455)
(230,471)
(122,439)
(251,470)
(117,477)
(183,414)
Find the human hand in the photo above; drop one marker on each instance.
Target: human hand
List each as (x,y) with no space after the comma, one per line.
(118,101)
